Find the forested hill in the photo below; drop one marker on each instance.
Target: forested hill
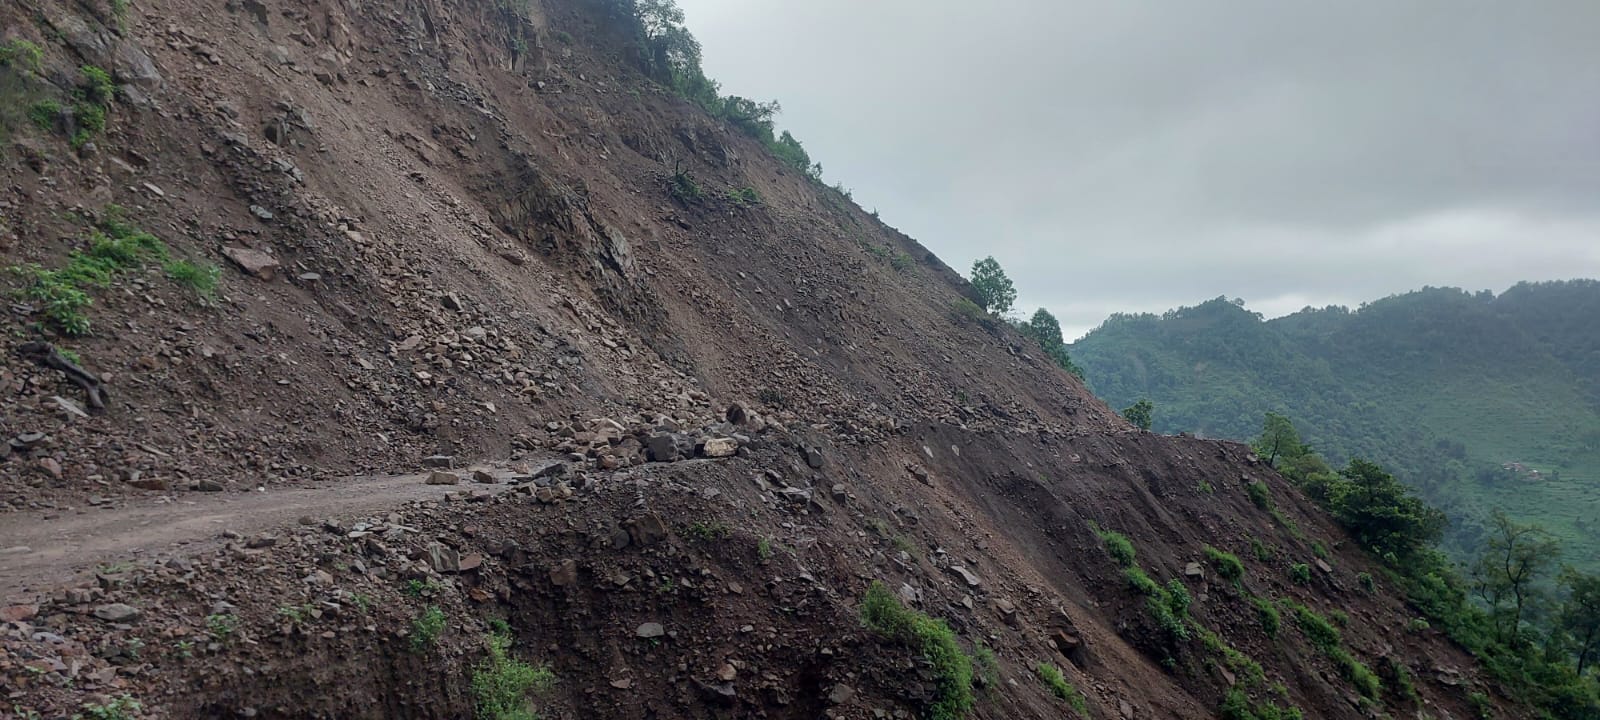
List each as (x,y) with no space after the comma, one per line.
(1444,387)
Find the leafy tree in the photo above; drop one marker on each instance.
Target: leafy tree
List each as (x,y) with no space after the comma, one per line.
(1278,439)
(1046,330)
(1506,578)
(996,293)
(1580,615)
(1140,414)
(1382,513)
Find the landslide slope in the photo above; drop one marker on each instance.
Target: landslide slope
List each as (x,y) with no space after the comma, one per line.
(486,248)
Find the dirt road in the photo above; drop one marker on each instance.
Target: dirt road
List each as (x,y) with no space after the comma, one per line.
(39,552)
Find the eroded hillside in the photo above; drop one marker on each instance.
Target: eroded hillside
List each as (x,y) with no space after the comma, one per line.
(710,400)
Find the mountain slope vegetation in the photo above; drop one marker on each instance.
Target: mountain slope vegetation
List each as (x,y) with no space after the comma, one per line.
(1479,401)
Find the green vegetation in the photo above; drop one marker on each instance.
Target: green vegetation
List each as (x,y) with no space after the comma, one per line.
(1243,665)
(670,55)
(1259,495)
(22,54)
(707,531)
(1045,330)
(1227,564)
(1236,705)
(744,197)
(44,114)
(1325,637)
(426,628)
(1057,682)
(1477,401)
(995,290)
(113,249)
(221,626)
(201,278)
(1366,582)
(418,588)
(1168,606)
(764,549)
(122,708)
(883,613)
(964,308)
(1300,573)
(503,686)
(1260,550)
(1271,620)
(1141,413)
(1119,547)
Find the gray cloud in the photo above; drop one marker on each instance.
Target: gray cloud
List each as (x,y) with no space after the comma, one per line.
(1120,156)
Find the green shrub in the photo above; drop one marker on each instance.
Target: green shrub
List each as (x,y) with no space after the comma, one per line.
(1141,582)
(968,309)
(44,113)
(1481,706)
(1236,705)
(1240,663)
(1318,550)
(503,686)
(1227,564)
(23,54)
(744,197)
(1057,682)
(985,667)
(426,628)
(122,708)
(1259,494)
(1300,573)
(1317,629)
(1120,548)
(62,303)
(1359,675)
(1365,580)
(1417,625)
(98,88)
(1260,550)
(1178,597)
(1339,617)
(1204,488)
(1268,613)
(201,278)
(1396,670)
(883,613)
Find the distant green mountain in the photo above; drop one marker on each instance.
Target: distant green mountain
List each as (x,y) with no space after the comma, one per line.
(1480,401)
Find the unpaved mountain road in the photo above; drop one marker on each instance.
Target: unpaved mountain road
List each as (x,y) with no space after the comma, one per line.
(39,552)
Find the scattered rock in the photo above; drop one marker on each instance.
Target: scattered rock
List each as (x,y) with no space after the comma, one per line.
(253,262)
(720,447)
(479,476)
(841,694)
(647,530)
(966,576)
(439,462)
(1194,570)
(439,477)
(261,541)
(117,613)
(565,573)
(669,447)
(650,630)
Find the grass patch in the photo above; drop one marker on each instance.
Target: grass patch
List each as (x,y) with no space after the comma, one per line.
(1119,547)
(744,197)
(883,613)
(113,249)
(1300,573)
(44,113)
(1267,612)
(1227,564)
(199,277)
(1059,687)
(1260,550)
(1168,606)
(764,549)
(702,530)
(1259,495)
(23,54)
(1322,634)
(426,628)
(1240,663)
(1236,705)
(503,687)
(122,708)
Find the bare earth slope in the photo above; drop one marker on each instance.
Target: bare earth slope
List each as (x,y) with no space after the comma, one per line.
(479,257)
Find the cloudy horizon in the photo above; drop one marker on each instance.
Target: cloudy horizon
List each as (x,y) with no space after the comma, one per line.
(1124,158)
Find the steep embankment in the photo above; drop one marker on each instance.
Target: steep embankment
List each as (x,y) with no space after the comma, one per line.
(479,253)
(1442,386)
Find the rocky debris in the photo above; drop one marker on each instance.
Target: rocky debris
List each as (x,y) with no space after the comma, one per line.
(484,478)
(255,263)
(966,576)
(1194,570)
(565,573)
(443,558)
(440,477)
(647,530)
(1323,566)
(439,462)
(259,542)
(841,694)
(669,447)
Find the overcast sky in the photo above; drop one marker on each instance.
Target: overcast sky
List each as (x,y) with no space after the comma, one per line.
(1137,156)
